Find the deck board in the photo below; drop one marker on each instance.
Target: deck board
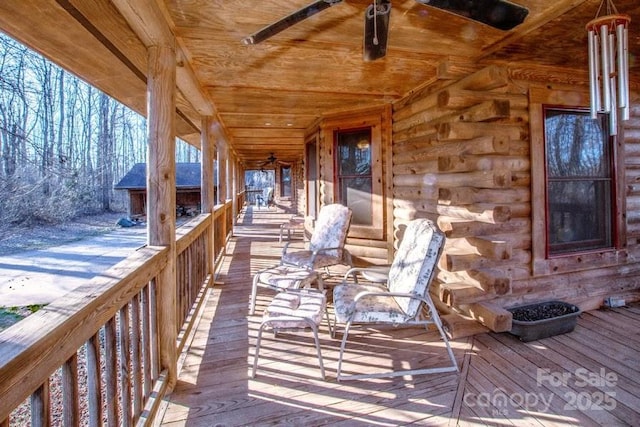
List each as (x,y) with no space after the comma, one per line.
(214,386)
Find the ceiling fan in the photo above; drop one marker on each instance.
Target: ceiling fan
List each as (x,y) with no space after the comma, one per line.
(271,160)
(499,14)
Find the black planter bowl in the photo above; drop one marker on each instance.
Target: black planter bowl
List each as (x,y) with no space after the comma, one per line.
(545,319)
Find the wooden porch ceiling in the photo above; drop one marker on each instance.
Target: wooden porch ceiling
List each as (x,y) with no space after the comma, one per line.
(265,96)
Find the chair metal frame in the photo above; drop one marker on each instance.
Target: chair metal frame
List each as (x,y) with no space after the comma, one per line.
(380,290)
(294,321)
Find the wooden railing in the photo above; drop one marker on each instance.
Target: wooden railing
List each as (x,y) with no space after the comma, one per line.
(240,199)
(193,261)
(222,228)
(92,356)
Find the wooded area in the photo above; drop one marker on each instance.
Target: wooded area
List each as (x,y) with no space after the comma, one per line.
(63,143)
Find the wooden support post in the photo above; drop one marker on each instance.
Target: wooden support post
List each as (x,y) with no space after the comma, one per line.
(161,189)
(222,173)
(207,195)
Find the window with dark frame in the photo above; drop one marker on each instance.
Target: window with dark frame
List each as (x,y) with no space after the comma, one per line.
(353,173)
(580,185)
(285,181)
(311,171)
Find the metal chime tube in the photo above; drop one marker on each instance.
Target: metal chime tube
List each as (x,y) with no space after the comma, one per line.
(622,35)
(606,72)
(613,109)
(594,87)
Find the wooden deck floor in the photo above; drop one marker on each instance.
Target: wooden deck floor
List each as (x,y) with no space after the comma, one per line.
(590,377)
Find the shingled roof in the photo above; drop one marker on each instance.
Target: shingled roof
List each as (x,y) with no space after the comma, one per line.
(187,177)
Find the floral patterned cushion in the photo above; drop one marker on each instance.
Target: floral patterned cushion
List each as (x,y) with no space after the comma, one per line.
(289,310)
(371,309)
(287,277)
(411,272)
(415,261)
(331,228)
(303,259)
(330,233)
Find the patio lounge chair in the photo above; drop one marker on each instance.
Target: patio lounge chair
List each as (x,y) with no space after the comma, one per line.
(326,246)
(266,198)
(399,302)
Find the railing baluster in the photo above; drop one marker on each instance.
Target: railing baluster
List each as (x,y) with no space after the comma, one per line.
(111,371)
(154,344)
(94,395)
(146,344)
(70,403)
(136,366)
(125,364)
(40,413)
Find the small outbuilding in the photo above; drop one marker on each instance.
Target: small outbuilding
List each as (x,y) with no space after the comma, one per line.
(187,189)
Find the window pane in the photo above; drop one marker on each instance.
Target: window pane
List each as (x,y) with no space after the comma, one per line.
(579,215)
(575,145)
(353,162)
(579,182)
(356,193)
(285,181)
(354,153)
(312,180)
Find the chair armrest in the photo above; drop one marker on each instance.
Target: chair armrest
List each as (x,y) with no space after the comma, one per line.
(285,247)
(385,294)
(360,271)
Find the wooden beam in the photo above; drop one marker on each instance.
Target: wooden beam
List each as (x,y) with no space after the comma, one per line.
(207,195)
(161,197)
(149,23)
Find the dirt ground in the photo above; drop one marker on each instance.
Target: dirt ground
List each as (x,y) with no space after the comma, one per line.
(20,238)
(15,239)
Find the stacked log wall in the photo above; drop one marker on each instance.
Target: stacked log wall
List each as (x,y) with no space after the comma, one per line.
(632,174)
(461,157)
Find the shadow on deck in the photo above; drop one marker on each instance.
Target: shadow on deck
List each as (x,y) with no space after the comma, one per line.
(588,377)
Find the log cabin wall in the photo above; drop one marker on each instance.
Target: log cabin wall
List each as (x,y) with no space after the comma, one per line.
(462,157)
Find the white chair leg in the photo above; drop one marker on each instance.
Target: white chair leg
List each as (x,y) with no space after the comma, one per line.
(254,291)
(314,328)
(255,356)
(343,344)
(436,320)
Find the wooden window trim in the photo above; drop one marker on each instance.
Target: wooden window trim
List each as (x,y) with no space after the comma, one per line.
(373,121)
(315,195)
(541,264)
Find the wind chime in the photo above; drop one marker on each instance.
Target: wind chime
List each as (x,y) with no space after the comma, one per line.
(608,37)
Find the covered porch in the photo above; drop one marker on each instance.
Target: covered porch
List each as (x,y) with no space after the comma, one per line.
(589,377)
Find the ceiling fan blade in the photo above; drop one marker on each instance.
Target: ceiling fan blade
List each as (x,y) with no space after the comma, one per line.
(376,30)
(499,14)
(288,21)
